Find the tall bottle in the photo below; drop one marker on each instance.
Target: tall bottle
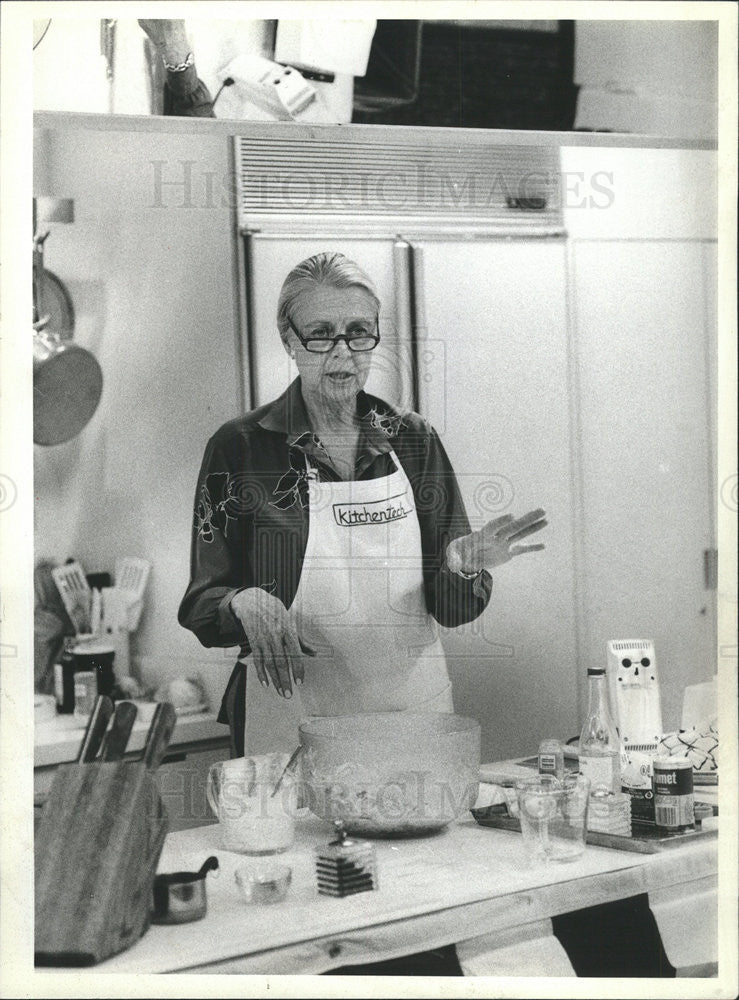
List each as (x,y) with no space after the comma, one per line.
(600,745)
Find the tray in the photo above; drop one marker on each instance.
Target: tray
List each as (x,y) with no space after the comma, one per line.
(645,839)
(572,765)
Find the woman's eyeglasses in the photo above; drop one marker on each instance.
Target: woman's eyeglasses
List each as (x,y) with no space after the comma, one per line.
(360,340)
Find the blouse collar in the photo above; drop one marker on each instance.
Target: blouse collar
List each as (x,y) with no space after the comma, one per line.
(288,415)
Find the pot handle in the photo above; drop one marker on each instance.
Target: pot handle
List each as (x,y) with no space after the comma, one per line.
(209,865)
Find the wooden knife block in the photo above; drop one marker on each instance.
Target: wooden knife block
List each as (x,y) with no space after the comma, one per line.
(97,847)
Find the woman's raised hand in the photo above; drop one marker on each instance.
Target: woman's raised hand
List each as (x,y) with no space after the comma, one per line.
(496,543)
(276,649)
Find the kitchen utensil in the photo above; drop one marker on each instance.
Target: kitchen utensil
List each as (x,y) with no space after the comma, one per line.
(252,819)
(290,768)
(75,594)
(553,816)
(113,616)
(67,385)
(345,867)
(95,611)
(391,774)
(159,735)
(114,626)
(263,883)
(96,726)
(96,851)
(180,897)
(131,575)
(118,733)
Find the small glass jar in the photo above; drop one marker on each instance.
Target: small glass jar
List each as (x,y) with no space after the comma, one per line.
(266,883)
(551,759)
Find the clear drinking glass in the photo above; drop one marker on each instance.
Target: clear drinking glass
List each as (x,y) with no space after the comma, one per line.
(553,816)
(255,815)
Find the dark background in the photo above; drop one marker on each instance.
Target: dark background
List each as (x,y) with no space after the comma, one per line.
(458,75)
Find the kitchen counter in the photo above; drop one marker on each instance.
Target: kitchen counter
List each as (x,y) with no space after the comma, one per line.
(465,884)
(58,741)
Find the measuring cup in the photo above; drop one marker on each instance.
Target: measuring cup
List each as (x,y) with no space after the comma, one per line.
(255,802)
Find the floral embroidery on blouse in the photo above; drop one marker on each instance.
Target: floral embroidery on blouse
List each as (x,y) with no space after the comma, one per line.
(385,422)
(204,515)
(221,499)
(310,437)
(292,487)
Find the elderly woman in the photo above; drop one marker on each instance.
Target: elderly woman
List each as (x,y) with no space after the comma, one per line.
(330,538)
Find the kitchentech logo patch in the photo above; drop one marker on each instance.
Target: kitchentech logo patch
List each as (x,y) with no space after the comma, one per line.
(350,515)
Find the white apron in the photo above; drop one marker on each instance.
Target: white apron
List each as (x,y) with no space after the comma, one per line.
(360,603)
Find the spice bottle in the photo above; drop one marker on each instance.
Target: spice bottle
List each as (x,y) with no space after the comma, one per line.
(64,678)
(600,745)
(551,758)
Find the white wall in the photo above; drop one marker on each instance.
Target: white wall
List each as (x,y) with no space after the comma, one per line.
(649,77)
(69,72)
(151,281)
(642,315)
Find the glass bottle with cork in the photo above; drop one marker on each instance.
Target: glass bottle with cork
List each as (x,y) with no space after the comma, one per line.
(600,744)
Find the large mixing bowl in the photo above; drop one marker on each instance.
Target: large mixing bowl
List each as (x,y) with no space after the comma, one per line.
(391,774)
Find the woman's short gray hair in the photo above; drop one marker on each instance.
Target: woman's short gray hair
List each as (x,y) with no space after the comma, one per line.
(321,269)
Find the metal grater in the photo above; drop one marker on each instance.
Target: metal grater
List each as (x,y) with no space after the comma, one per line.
(345,866)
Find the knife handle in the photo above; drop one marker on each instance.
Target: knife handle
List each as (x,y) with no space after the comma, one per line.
(96,726)
(116,738)
(159,735)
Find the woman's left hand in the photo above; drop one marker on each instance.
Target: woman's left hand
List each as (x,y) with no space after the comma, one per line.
(496,543)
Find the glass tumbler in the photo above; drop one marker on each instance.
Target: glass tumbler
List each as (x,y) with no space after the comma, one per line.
(553,816)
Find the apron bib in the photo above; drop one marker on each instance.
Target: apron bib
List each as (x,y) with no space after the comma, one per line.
(360,604)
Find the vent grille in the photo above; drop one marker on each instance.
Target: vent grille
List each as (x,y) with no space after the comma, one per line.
(372,179)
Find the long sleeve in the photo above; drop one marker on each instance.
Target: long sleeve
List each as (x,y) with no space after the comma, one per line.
(187,96)
(218,563)
(450,598)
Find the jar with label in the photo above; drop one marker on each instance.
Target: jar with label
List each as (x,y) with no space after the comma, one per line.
(551,759)
(96,656)
(64,678)
(85,693)
(600,745)
(673,794)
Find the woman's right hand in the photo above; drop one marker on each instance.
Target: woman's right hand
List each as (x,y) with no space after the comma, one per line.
(275,646)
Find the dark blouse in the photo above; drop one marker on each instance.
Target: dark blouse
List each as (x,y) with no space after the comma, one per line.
(251,513)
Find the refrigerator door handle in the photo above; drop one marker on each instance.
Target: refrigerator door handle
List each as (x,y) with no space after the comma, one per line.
(419,324)
(405,313)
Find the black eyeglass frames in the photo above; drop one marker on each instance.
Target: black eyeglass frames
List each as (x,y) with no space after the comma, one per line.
(354,341)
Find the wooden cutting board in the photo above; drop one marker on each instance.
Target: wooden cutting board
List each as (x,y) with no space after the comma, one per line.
(97,847)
